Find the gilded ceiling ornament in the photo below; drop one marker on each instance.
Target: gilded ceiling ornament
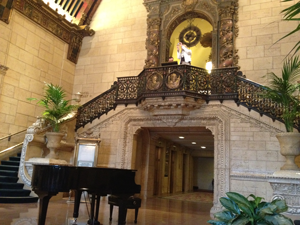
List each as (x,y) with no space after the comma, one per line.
(43,15)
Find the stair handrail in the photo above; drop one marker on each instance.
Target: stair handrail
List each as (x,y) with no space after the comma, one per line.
(96,107)
(12,139)
(11,148)
(10,135)
(11,151)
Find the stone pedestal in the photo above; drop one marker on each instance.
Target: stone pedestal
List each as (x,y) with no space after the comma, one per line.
(286,185)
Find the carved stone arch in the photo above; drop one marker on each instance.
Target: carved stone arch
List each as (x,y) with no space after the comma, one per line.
(204,11)
(215,123)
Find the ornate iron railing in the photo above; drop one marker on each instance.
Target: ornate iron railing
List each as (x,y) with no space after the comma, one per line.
(98,106)
(187,81)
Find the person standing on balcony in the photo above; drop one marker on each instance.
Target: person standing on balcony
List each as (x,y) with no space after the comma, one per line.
(184,54)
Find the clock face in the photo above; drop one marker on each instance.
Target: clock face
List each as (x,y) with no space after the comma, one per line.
(190,36)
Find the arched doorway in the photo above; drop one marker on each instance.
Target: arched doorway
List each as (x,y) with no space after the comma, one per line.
(192,32)
(164,17)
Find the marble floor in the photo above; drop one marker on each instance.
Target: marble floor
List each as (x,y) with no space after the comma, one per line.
(158,211)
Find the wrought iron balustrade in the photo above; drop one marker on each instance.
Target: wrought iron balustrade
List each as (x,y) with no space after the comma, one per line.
(250,95)
(185,81)
(96,107)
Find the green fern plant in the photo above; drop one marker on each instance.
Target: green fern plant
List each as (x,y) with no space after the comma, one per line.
(285,90)
(239,210)
(55,104)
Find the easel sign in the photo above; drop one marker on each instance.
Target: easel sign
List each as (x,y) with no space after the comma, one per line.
(86,152)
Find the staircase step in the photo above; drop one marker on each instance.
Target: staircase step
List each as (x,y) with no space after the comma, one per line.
(26,199)
(10,168)
(8,179)
(8,173)
(14,158)
(6,185)
(14,192)
(10,163)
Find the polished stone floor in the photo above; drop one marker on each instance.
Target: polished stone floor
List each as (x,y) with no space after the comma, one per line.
(154,211)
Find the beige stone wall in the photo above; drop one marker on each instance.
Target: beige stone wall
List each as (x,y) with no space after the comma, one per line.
(260,26)
(32,56)
(116,50)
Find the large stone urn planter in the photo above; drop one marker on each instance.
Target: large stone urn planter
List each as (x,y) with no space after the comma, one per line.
(289,148)
(53,143)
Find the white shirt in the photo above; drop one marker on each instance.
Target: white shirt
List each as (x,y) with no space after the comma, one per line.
(186,53)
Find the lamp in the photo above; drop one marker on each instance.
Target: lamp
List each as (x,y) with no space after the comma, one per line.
(78,97)
(208,66)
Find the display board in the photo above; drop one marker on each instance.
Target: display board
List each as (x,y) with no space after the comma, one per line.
(86,152)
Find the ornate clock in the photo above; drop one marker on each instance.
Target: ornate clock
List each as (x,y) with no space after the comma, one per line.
(190,36)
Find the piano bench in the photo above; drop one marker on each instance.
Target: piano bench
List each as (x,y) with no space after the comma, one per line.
(130,203)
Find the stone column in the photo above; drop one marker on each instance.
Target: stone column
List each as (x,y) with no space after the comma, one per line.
(228,32)
(153,33)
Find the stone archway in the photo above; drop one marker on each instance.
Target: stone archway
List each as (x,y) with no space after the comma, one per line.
(167,32)
(214,123)
(164,16)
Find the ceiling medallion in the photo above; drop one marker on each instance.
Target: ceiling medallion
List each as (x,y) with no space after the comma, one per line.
(190,36)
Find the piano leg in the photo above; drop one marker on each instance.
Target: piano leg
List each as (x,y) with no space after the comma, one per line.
(122,213)
(94,214)
(76,203)
(43,205)
(97,208)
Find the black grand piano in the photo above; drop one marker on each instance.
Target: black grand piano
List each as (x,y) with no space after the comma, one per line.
(48,180)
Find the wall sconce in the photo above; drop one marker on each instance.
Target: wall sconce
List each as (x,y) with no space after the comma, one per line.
(78,97)
(208,66)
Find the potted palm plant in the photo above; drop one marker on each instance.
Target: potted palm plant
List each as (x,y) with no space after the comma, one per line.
(56,110)
(291,13)
(284,90)
(240,210)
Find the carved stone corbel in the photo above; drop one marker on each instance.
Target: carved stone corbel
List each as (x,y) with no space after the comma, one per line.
(43,15)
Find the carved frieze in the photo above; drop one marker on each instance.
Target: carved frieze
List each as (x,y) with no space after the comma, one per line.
(171,106)
(287,188)
(47,18)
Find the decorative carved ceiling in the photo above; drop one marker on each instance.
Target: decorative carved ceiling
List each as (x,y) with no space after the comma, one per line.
(46,17)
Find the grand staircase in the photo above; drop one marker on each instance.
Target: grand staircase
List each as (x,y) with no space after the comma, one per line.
(10,190)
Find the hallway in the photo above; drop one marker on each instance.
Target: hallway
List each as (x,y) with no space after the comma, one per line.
(154,211)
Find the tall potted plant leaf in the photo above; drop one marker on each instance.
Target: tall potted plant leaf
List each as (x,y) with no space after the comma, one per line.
(56,109)
(240,210)
(284,90)
(291,13)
